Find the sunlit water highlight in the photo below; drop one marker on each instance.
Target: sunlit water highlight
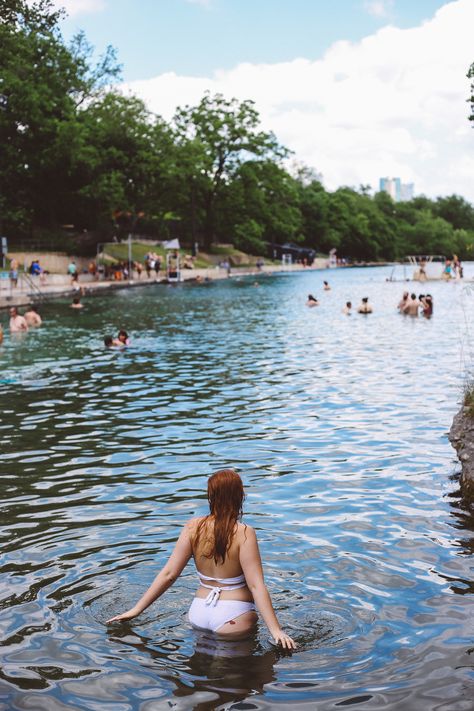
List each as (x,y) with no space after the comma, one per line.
(339,427)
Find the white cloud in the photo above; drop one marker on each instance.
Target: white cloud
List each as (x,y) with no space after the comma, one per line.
(379,8)
(393,104)
(202,3)
(80,7)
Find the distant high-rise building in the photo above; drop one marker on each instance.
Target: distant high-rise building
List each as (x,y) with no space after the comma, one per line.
(407,192)
(396,189)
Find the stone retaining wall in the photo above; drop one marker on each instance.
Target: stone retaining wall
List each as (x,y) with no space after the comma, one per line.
(461,436)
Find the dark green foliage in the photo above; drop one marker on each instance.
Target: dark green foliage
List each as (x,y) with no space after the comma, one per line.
(470,75)
(76,152)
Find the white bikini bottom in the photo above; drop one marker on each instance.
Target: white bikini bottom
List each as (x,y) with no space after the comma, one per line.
(211,617)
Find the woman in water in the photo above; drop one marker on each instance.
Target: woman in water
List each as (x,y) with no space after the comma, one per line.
(228,565)
(312,301)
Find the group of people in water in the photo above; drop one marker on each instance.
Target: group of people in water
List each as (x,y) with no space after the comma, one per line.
(121,341)
(409,305)
(363,308)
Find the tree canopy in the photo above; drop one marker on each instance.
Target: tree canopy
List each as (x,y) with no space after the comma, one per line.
(77,151)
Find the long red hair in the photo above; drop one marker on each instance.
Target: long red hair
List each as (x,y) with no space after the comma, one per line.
(225,493)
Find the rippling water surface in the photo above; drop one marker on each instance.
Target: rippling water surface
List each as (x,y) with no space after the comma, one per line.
(338,426)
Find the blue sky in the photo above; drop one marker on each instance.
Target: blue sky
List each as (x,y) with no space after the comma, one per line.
(357,89)
(156,36)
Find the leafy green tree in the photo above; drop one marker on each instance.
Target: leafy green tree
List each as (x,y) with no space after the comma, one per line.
(122,164)
(455,210)
(470,75)
(314,206)
(224,134)
(260,206)
(42,84)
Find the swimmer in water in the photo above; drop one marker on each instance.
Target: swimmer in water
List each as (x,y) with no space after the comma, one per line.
(229,569)
(123,338)
(32,317)
(76,303)
(110,342)
(365,307)
(403,302)
(312,301)
(17,323)
(347,308)
(326,286)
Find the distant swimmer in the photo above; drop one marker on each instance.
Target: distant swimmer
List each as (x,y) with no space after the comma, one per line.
(412,306)
(122,338)
(17,322)
(365,307)
(312,301)
(76,303)
(347,308)
(32,317)
(110,342)
(326,286)
(403,302)
(427,305)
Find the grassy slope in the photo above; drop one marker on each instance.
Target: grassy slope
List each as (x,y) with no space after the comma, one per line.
(203,261)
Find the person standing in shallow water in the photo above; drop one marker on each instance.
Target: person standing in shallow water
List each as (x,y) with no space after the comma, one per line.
(364,306)
(403,302)
(17,322)
(412,306)
(228,565)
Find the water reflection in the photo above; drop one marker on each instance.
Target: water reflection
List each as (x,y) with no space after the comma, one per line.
(216,670)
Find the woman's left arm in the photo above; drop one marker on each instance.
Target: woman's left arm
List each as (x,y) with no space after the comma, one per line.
(166,577)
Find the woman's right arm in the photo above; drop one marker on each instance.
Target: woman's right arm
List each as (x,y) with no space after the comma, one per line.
(166,577)
(249,557)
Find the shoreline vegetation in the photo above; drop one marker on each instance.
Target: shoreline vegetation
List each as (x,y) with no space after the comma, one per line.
(96,164)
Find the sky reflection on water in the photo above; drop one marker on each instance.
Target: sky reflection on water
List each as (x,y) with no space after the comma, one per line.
(338,425)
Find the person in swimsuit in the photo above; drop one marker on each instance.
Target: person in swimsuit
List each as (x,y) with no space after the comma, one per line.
(229,568)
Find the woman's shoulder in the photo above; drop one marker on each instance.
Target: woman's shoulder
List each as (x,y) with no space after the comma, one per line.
(245,531)
(193,523)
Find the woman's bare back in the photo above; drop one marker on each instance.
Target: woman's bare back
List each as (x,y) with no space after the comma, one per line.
(205,563)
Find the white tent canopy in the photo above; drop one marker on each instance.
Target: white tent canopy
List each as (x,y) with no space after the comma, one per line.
(171,244)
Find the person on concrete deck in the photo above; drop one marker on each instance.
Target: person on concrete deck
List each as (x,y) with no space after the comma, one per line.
(403,302)
(412,306)
(17,322)
(364,306)
(32,317)
(347,308)
(228,565)
(72,270)
(312,301)
(13,275)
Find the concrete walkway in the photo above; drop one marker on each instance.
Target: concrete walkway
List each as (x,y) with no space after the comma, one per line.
(33,289)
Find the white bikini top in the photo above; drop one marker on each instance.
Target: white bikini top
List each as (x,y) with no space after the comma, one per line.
(230,584)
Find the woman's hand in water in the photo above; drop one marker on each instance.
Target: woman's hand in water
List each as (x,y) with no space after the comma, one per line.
(284,640)
(129,615)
